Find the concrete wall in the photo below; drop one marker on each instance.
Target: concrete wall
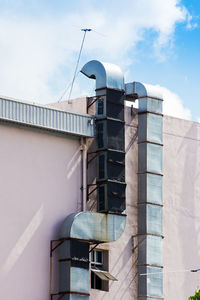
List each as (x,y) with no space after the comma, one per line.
(78,105)
(40,180)
(181,219)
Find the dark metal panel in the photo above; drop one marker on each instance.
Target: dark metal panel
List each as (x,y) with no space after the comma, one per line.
(111,197)
(111,166)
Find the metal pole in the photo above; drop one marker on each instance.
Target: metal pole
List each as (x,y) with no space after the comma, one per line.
(79,56)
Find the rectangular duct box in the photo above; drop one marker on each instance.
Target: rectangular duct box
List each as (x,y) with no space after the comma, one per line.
(115,96)
(150,129)
(150,188)
(75,251)
(150,157)
(150,250)
(150,105)
(111,197)
(115,111)
(106,108)
(110,134)
(74,266)
(111,166)
(149,219)
(150,285)
(74,279)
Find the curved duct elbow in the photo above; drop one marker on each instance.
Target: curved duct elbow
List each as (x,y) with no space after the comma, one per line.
(91,226)
(107,75)
(142,90)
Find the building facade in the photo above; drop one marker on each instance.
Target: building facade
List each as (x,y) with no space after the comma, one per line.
(50,170)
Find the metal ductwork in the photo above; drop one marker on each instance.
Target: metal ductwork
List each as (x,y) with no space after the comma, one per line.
(80,230)
(150,203)
(107,75)
(110,136)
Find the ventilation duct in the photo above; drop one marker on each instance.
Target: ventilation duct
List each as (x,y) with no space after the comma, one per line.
(80,230)
(150,147)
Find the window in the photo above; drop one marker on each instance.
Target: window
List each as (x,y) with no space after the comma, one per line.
(99,270)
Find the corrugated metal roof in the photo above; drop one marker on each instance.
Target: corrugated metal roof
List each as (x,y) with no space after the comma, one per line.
(44,117)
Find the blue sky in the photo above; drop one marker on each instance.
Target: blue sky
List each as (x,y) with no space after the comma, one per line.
(153,41)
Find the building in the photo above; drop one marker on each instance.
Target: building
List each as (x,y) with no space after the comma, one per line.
(51,160)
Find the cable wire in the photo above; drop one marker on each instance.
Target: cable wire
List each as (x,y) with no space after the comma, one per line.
(79,56)
(67,88)
(176,271)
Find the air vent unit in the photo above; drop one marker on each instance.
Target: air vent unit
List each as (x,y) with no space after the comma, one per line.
(111,197)
(110,134)
(111,166)
(110,143)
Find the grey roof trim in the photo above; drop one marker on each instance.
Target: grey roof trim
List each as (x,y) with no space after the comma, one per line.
(45,117)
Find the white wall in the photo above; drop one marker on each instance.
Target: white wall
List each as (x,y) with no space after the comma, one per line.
(181,218)
(40,180)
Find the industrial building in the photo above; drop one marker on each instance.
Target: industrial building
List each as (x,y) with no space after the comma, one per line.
(99,200)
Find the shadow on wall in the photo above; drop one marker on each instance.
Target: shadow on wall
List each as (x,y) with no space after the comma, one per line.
(23,241)
(73,163)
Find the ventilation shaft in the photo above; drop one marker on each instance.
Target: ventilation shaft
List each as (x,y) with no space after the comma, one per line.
(80,230)
(150,147)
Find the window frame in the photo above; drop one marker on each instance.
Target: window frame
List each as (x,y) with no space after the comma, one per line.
(100,275)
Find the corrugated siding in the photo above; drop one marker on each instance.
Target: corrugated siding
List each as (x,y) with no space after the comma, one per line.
(45,117)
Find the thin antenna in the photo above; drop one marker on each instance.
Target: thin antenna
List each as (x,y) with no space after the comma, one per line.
(79,56)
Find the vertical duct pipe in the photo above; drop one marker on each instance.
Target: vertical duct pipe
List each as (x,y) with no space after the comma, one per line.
(79,230)
(110,140)
(84,173)
(150,145)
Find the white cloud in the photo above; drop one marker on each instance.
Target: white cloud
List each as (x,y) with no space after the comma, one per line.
(37,56)
(173,105)
(191,24)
